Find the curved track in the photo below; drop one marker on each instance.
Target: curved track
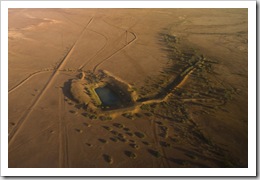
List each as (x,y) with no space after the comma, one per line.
(25,80)
(128,43)
(63,146)
(48,84)
(100,50)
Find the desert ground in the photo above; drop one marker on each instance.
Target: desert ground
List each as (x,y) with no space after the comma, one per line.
(140,88)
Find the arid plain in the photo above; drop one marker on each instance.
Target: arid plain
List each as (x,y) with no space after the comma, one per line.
(146,88)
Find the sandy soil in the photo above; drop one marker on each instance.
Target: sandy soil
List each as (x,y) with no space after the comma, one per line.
(48,48)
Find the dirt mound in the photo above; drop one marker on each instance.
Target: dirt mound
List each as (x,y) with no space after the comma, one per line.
(78,92)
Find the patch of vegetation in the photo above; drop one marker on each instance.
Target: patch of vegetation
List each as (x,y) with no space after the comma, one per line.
(108,158)
(145,107)
(114,132)
(135,146)
(120,126)
(163,131)
(128,115)
(140,134)
(86,124)
(122,139)
(114,139)
(89,145)
(130,134)
(146,143)
(93,116)
(107,128)
(79,130)
(121,135)
(105,118)
(165,144)
(148,114)
(130,154)
(102,140)
(155,153)
(73,112)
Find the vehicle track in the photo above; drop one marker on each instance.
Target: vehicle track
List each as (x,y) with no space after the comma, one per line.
(70,20)
(30,109)
(129,43)
(63,139)
(48,84)
(120,27)
(164,158)
(25,80)
(86,63)
(48,129)
(154,129)
(31,76)
(42,71)
(100,50)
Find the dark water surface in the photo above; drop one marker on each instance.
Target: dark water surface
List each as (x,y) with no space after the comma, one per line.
(108,97)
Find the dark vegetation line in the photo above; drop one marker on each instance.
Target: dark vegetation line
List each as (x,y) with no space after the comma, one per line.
(183,64)
(242,32)
(177,81)
(186,63)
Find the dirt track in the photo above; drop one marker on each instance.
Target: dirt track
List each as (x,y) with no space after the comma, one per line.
(48,47)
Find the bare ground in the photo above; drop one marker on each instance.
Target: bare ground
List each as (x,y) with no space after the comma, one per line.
(193,128)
